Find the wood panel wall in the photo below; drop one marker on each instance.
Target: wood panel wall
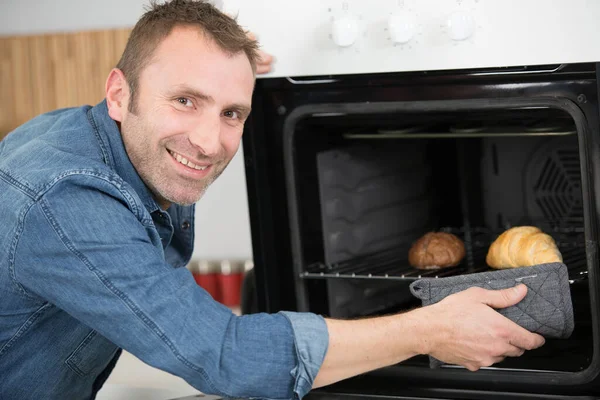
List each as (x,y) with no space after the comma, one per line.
(45,72)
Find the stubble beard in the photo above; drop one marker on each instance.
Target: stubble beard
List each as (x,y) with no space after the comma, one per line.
(172,197)
(178,191)
(150,167)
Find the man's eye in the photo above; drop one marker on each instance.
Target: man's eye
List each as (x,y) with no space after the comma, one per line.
(232,114)
(185,101)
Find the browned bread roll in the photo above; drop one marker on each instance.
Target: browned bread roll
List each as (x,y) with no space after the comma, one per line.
(522,246)
(436,250)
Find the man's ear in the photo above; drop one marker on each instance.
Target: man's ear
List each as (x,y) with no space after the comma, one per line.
(117,94)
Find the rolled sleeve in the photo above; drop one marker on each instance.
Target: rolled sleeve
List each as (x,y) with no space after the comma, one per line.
(311,340)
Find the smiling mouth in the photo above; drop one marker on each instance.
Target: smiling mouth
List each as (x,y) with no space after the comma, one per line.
(182,160)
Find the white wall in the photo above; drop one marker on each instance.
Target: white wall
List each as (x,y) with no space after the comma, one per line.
(222,223)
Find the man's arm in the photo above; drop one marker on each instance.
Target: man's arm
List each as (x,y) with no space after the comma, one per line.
(462,329)
(90,249)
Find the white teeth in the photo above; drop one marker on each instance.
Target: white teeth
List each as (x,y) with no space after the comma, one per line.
(184,161)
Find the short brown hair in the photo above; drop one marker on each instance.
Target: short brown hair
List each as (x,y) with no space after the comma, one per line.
(158,22)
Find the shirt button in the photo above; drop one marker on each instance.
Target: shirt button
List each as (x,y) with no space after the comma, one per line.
(185,225)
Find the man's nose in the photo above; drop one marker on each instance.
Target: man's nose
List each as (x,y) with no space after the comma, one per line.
(206,136)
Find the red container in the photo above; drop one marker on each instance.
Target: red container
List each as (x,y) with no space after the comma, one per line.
(230,282)
(206,274)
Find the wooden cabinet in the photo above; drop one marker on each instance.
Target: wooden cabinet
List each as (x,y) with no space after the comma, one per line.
(45,72)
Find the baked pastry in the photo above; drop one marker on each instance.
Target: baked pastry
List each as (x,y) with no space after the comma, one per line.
(436,250)
(522,246)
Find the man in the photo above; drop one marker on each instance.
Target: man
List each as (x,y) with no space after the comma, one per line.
(97,226)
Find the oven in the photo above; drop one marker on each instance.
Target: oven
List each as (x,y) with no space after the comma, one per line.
(385,120)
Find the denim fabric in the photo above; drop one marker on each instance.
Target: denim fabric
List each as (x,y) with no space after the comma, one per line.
(91,265)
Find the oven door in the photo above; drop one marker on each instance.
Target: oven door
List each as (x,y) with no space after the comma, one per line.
(418,394)
(294,125)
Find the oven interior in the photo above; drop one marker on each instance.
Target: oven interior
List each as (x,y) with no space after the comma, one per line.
(368,185)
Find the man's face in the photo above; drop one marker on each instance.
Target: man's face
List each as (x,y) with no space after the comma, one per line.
(190,107)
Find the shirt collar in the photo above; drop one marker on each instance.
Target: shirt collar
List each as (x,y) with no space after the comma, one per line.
(115,156)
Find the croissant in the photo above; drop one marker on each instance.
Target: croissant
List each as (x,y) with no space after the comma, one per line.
(522,246)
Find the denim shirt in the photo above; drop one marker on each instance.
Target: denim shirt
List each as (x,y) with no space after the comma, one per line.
(91,265)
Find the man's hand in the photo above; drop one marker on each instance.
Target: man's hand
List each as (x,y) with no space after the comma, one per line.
(263,64)
(469,332)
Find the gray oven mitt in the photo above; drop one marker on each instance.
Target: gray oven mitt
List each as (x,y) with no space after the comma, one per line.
(546,309)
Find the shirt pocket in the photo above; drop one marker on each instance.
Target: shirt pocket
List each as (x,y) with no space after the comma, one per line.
(92,355)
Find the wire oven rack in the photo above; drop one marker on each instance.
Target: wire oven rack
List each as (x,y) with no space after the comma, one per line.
(392,264)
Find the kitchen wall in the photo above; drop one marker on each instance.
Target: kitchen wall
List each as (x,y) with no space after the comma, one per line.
(222,223)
